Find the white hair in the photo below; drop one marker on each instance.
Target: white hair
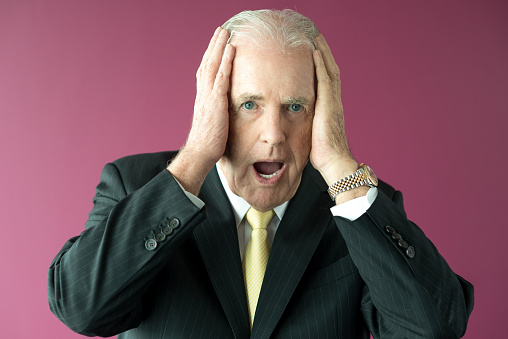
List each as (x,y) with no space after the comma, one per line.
(287,29)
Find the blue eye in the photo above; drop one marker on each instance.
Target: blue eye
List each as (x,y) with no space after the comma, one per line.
(295,108)
(249,105)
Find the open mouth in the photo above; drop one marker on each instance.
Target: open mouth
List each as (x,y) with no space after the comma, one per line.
(267,169)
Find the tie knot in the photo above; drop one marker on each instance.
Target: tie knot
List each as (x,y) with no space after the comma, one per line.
(258,219)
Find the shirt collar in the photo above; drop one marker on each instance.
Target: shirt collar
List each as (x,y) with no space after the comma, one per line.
(239,205)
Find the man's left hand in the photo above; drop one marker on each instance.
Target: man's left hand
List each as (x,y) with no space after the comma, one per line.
(330,153)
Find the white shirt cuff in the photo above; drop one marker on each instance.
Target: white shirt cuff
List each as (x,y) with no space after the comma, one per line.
(195,200)
(353,209)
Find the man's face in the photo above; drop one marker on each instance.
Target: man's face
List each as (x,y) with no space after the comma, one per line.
(272,103)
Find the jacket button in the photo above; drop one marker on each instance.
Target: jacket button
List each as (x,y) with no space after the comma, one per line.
(166,230)
(160,237)
(150,244)
(410,252)
(396,236)
(390,229)
(174,223)
(403,244)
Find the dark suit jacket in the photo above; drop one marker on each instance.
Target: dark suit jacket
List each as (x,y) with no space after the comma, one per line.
(327,277)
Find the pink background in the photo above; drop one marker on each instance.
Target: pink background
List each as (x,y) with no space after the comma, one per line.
(85,82)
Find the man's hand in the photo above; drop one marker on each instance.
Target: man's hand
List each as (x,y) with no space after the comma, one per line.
(209,132)
(330,153)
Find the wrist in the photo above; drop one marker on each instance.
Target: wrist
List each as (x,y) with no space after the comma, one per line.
(189,171)
(353,185)
(351,194)
(338,169)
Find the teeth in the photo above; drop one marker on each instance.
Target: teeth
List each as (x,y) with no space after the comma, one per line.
(268,176)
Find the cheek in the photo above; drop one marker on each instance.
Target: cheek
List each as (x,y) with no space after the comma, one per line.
(234,130)
(239,138)
(302,142)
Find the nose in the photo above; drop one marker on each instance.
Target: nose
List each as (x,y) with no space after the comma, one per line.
(272,129)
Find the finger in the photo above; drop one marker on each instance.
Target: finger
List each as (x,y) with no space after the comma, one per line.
(221,84)
(214,61)
(209,49)
(329,61)
(324,82)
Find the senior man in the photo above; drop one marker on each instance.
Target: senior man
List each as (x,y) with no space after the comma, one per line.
(238,236)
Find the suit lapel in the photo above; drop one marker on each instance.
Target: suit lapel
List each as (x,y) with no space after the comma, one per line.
(217,239)
(296,240)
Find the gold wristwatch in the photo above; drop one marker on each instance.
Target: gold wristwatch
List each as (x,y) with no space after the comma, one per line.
(364,176)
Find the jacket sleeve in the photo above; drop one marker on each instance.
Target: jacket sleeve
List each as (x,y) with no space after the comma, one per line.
(97,280)
(410,291)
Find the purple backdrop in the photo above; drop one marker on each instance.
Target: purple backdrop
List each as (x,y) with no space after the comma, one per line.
(85,82)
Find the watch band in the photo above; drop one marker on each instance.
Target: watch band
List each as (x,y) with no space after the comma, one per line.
(364,176)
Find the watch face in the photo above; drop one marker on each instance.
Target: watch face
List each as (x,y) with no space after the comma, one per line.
(372,176)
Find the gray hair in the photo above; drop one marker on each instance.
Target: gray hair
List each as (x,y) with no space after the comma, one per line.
(287,29)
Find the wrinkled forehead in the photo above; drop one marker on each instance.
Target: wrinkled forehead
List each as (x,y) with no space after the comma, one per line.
(266,70)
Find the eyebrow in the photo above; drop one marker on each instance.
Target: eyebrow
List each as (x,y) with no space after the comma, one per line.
(250,97)
(297,100)
(289,101)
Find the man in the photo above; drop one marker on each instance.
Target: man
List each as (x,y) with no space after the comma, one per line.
(177,252)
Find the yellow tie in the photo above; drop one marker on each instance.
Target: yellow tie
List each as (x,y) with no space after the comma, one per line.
(256,257)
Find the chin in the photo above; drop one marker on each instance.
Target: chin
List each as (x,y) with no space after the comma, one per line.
(263,201)
(267,199)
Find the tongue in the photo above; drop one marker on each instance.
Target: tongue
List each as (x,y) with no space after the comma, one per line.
(267,168)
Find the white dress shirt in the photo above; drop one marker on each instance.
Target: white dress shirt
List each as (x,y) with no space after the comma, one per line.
(351,210)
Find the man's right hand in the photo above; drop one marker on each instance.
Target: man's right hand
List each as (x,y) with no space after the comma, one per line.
(207,138)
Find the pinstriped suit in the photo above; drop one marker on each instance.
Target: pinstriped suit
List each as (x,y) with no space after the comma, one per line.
(326,277)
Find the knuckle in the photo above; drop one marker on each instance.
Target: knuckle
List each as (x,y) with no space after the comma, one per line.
(327,80)
(210,65)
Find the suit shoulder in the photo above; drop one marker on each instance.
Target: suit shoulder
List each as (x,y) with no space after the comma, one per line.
(136,170)
(157,159)
(386,189)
